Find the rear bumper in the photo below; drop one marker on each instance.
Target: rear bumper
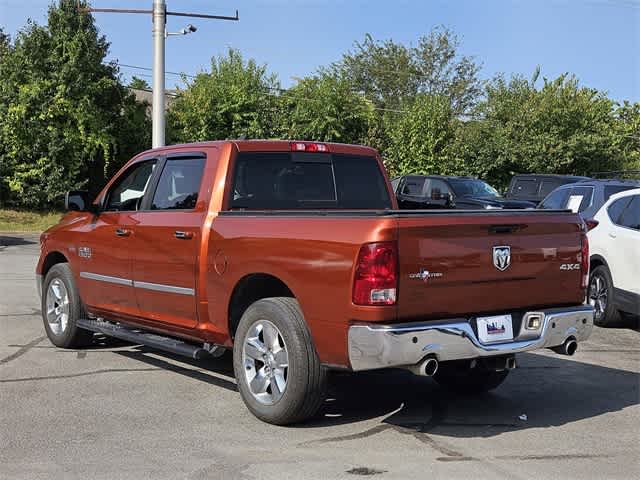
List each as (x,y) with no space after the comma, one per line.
(373,346)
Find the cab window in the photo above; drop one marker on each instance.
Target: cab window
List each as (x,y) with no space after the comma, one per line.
(126,194)
(556,200)
(179,184)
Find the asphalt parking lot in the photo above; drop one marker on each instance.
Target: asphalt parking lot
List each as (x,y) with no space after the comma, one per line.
(122,411)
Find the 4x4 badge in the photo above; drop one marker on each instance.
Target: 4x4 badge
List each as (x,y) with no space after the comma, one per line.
(502,257)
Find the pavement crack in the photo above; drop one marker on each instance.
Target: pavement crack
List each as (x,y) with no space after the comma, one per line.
(82,374)
(22,350)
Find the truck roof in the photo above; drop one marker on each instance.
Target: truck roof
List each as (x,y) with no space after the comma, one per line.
(269,146)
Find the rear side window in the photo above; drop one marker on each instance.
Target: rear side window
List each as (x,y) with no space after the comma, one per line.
(179,184)
(525,187)
(548,186)
(616,208)
(283,180)
(556,200)
(630,217)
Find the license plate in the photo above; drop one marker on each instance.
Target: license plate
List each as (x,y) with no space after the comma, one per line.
(495,329)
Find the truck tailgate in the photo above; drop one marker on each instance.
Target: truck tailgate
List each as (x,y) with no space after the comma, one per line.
(448,268)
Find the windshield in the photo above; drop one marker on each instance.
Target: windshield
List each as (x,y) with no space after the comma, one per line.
(469,187)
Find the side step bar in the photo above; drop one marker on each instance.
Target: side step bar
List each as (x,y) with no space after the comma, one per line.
(134,335)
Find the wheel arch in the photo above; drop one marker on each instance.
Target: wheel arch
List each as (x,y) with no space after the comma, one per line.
(249,289)
(53,258)
(597,261)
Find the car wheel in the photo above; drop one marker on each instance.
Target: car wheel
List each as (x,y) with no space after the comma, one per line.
(62,307)
(459,377)
(601,297)
(276,365)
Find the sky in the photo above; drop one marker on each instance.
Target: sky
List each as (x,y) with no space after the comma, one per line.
(597,40)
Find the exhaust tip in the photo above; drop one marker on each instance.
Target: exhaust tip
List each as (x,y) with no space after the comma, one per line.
(430,367)
(570,347)
(511,363)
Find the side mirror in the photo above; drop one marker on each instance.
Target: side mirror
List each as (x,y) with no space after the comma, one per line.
(78,201)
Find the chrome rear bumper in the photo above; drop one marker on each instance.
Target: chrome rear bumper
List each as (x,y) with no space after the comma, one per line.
(373,346)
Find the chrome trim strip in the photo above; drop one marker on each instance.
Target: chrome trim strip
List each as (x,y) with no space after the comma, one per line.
(158,287)
(373,346)
(107,278)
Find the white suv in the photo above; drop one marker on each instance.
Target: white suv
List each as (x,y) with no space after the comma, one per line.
(614,242)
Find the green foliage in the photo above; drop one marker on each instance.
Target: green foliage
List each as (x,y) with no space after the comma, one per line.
(139,83)
(392,74)
(560,128)
(627,139)
(62,111)
(235,99)
(421,139)
(326,108)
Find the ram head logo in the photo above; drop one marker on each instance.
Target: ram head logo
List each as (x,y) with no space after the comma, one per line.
(502,257)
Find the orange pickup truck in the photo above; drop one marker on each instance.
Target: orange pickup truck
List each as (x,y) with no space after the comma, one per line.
(295,255)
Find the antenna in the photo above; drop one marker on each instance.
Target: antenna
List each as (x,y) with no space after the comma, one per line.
(159,15)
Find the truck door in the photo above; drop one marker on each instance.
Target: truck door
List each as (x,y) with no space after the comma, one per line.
(167,241)
(105,251)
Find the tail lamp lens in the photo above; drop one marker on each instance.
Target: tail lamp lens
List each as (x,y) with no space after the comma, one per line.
(376,275)
(308,147)
(584,261)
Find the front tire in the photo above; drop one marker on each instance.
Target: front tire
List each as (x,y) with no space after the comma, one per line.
(602,297)
(61,308)
(278,371)
(460,378)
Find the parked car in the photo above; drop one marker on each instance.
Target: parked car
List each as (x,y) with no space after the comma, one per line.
(535,187)
(437,191)
(295,255)
(587,197)
(614,284)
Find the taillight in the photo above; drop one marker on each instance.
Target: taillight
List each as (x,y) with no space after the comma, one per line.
(591,224)
(308,147)
(376,276)
(584,260)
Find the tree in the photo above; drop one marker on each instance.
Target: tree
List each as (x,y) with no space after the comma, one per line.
(235,99)
(139,83)
(325,108)
(628,134)
(63,109)
(421,139)
(392,74)
(559,128)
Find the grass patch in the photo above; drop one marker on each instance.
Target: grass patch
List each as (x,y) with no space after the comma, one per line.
(27,221)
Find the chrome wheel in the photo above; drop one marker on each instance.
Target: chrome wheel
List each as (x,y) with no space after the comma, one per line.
(57,306)
(598,295)
(266,362)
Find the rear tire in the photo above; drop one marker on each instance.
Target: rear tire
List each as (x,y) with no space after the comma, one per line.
(459,378)
(602,297)
(61,308)
(278,371)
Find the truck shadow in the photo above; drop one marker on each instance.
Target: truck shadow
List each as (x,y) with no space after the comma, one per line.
(544,391)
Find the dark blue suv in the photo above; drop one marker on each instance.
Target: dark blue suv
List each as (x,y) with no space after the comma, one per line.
(586,197)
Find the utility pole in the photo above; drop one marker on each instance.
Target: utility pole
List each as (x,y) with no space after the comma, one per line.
(159,29)
(159,15)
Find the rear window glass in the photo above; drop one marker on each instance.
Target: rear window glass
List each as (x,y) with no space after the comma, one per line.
(580,199)
(556,200)
(413,186)
(525,187)
(613,189)
(283,180)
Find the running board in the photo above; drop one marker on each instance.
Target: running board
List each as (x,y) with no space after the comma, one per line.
(135,335)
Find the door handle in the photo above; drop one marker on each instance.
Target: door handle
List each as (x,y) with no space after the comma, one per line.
(123,232)
(179,234)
